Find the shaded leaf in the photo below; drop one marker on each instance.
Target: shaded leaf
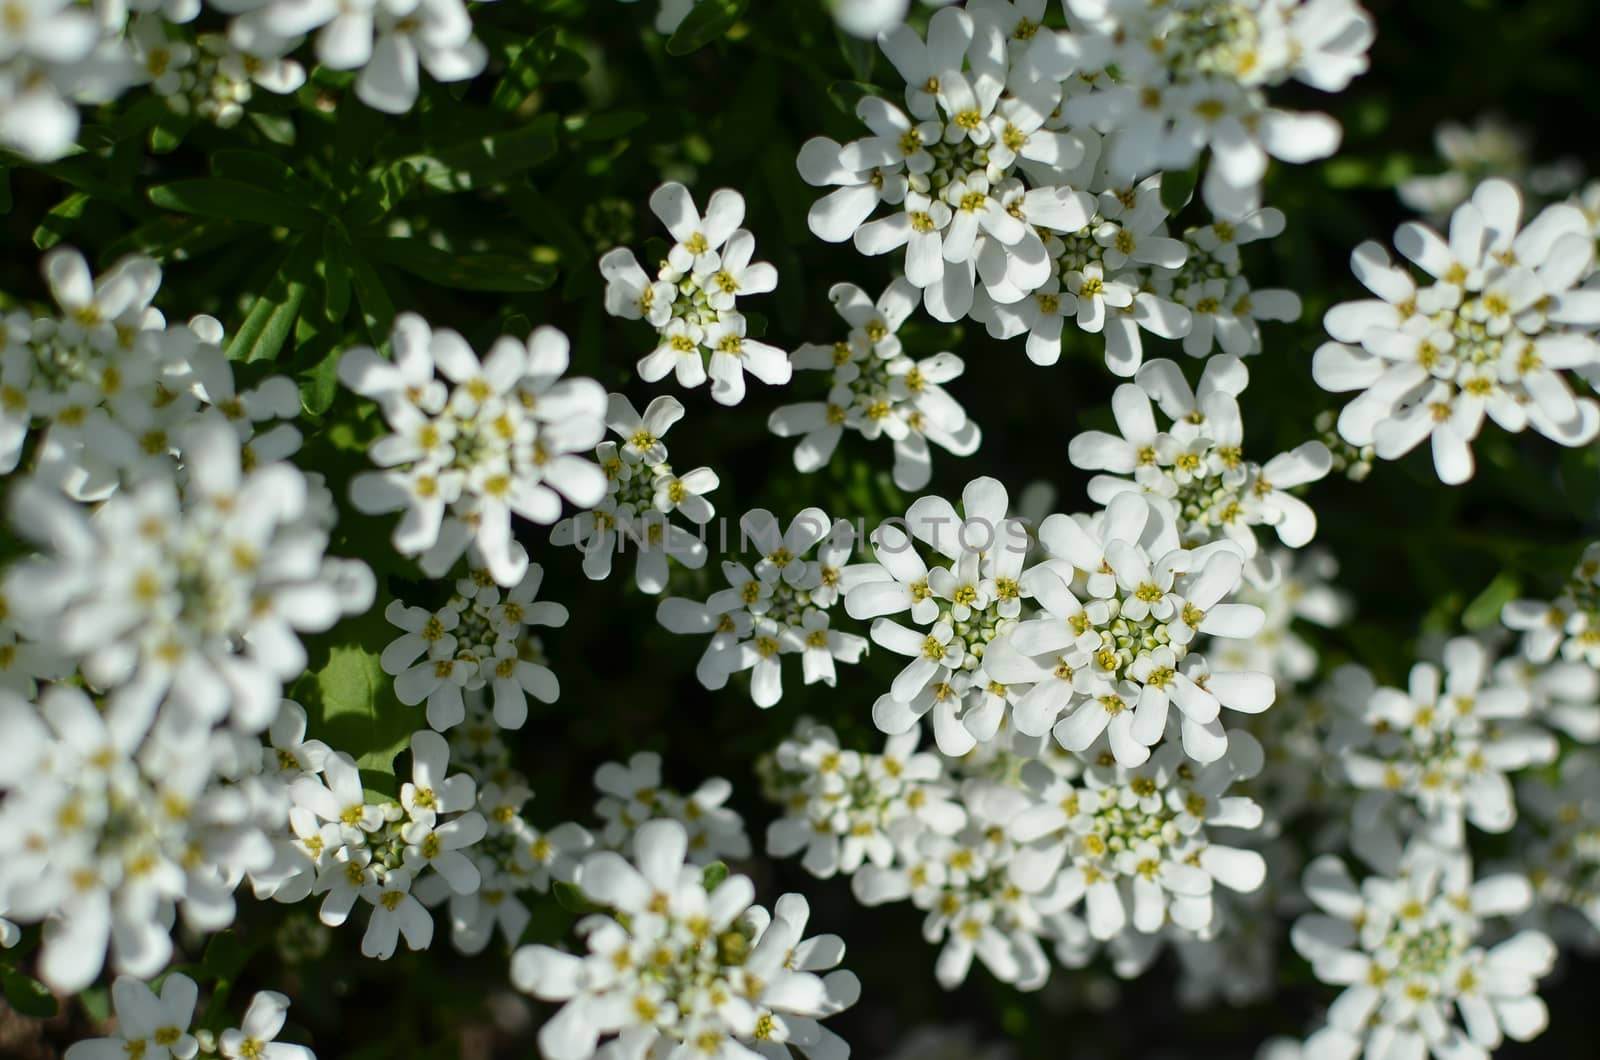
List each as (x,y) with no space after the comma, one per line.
(704,23)
(232,200)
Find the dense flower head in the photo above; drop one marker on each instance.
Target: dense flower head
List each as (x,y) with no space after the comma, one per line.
(642,493)
(110,826)
(1491,332)
(691,302)
(775,607)
(632,794)
(878,391)
(189,595)
(502,438)
(675,961)
(479,639)
(840,806)
(1405,946)
(1196,469)
(1445,743)
(343,845)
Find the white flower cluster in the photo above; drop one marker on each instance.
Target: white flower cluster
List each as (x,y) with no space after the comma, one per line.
(188,597)
(514,857)
(1106,645)
(1404,944)
(779,607)
(502,439)
(1507,311)
(478,639)
(1196,469)
(156,1027)
(1561,853)
(343,846)
(109,385)
(692,301)
(632,794)
(642,492)
(108,828)
(677,960)
(1569,624)
(1445,744)
(875,389)
(56,56)
(1024,177)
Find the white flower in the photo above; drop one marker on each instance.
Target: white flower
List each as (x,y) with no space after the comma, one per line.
(504,442)
(386,40)
(642,491)
(156,1028)
(1132,845)
(1491,335)
(691,303)
(476,640)
(839,805)
(374,852)
(780,607)
(109,828)
(1113,647)
(1446,743)
(262,1023)
(632,794)
(1404,946)
(1569,624)
(723,975)
(1489,147)
(878,391)
(969,597)
(194,598)
(1196,470)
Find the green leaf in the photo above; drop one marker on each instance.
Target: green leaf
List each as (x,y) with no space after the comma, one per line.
(610,125)
(260,170)
(276,128)
(271,318)
(59,220)
(224,957)
(350,702)
(27,995)
(376,306)
(233,200)
(1484,610)
(5,190)
(859,53)
(487,159)
(335,272)
(706,21)
(713,875)
(168,132)
(475,272)
(1177,188)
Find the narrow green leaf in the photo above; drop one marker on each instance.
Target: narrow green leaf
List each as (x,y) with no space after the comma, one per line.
(487,159)
(259,169)
(607,126)
(476,272)
(271,318)
(5,189)
(376,306)
(276,128)
(859,54)
(27,995)
(706,21)
(1484,611)
(224,958)
(59,221)
(335,270)
(233,200)
(168,132)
